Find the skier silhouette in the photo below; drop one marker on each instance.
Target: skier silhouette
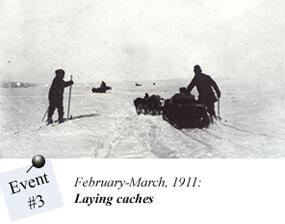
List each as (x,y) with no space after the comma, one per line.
(55,96)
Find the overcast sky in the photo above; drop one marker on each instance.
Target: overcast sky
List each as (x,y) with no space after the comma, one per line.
(141,39)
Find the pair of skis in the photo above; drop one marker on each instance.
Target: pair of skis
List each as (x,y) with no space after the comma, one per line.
(68,117)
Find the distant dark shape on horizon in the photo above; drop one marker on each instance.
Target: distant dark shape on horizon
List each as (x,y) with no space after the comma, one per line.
(102,89)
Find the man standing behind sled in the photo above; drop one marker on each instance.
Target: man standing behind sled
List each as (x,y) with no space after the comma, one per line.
(205,84)
(55,95)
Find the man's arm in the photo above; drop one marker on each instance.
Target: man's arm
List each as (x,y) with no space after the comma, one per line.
(191,85)
(216,88)
(68,83)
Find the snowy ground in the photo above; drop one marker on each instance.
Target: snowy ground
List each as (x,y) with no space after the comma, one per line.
(106,125)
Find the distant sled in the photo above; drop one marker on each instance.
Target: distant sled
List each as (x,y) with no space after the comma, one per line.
(138,84)
(100,89)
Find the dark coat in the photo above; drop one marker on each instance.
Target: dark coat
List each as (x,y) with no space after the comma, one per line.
(57,89)
(205,85)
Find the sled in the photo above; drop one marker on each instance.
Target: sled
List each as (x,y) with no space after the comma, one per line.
(185,114)
(101,90)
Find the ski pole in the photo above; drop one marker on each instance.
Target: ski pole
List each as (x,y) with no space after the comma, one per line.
(45,114)
(69,99)
(219,114)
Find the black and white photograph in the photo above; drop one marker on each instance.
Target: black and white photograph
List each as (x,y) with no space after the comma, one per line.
(142,79)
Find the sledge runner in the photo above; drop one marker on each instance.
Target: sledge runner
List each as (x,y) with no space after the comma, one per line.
(205,85)
(55,96)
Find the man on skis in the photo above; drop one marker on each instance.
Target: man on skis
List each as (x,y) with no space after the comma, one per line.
(205,85)
(55,96)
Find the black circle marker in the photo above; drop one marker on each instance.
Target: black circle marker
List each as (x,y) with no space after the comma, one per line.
(38,161)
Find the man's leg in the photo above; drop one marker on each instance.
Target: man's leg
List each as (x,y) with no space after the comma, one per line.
(211,111)
(60,112)
(51,109)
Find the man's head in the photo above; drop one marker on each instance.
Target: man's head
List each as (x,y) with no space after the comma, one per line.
(59,73)
(197,69)
(183,91)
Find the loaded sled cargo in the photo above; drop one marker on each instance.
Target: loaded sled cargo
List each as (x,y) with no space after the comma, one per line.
(185,112)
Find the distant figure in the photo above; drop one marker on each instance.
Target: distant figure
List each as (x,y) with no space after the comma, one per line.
(146,96)
(183,96)
(205,84)
(103,85)
(55,96)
